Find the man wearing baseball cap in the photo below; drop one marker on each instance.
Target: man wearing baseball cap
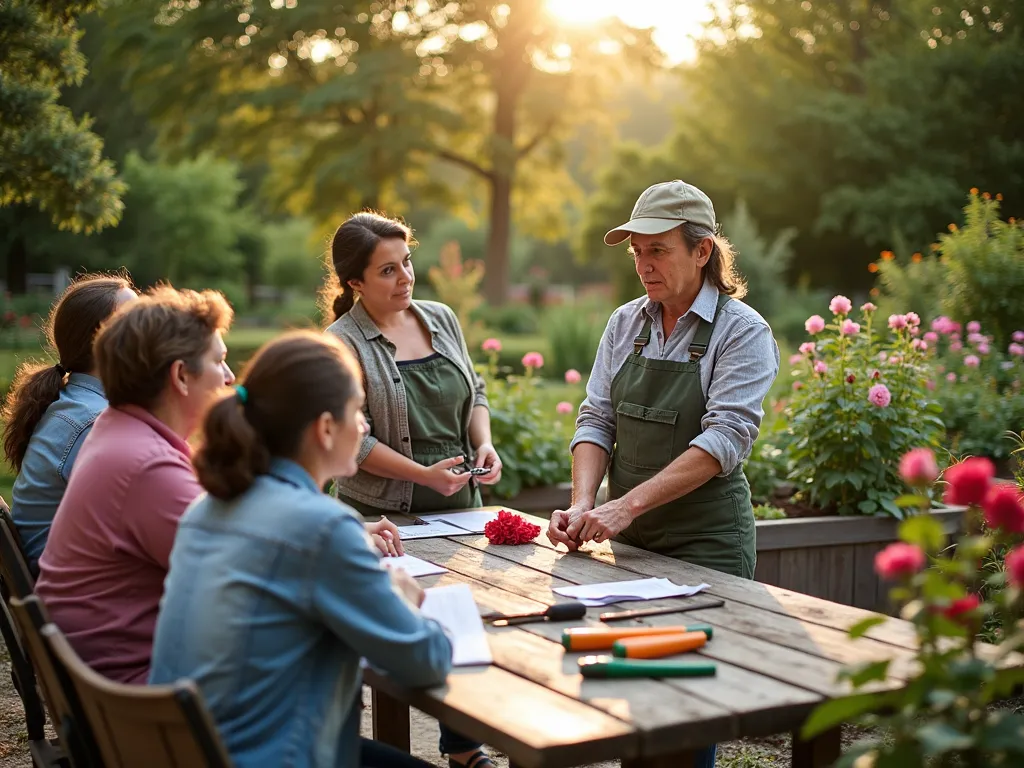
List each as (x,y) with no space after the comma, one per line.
(674,402)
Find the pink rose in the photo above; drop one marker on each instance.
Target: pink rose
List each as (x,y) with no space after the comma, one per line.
(797,386)
(533,360)
(955,346)
(795,359)
(931,337)
(815,324)
(972,361)
(880,396)
(807,348)
(491,345)
(899,560)
(984,349)
(1018,336)
(973,327)
(920,345)
(1015,567)
(943,324)
(1017,350)
(969,481)
(564,407)
(930,385)
(1004,508)
(840,305)
(918,467)
(868,307)
(913,319)
(876,374)
(820,367)
(976,338)
(951,377)
(896,322)
(572,376)
(849,328)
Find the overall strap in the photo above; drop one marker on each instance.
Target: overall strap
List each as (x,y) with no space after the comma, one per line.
(643,339)
(699,346)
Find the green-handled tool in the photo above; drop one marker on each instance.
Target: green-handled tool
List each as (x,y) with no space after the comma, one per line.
(611,667)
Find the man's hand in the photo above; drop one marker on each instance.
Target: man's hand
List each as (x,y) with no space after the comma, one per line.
(559,526)
(602,523)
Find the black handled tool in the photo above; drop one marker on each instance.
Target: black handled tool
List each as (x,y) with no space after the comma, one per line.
(559,612)
(642,612)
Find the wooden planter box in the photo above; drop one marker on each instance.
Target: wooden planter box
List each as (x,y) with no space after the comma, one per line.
(834,557)
(544,499)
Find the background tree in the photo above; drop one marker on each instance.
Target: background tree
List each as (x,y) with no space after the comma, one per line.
(48,159)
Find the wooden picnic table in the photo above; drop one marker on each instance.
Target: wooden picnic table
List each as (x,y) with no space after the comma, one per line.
(777,654)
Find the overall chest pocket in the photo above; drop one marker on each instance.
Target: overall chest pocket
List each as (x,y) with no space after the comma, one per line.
(645,436)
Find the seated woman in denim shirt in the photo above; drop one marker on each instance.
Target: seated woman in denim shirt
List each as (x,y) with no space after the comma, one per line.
(275,590)
(51,408)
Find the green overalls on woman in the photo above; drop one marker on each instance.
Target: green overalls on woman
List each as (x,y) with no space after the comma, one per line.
(425,404)
(674,402)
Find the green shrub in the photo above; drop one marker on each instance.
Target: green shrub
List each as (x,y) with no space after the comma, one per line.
(762,262)
(574,332)
(519,319)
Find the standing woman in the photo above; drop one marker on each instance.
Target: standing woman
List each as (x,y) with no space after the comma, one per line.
(425,405)
(51,408)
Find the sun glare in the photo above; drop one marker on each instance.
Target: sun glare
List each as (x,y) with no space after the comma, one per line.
(675,23)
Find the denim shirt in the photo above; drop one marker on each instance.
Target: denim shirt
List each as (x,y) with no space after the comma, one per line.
(270,602)
(51,453)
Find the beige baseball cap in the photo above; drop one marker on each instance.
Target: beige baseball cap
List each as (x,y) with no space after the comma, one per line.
(663,207)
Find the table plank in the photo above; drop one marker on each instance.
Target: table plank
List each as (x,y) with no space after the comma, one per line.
(535,726)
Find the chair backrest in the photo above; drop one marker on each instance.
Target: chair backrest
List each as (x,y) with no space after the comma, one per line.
(159,726)
(14,577)
(66,711)
(13,564)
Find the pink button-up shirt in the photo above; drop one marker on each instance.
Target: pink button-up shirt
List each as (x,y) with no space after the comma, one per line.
(102,572)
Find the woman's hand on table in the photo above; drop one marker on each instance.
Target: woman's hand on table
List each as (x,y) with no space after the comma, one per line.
(440,477)
(407,586)
(486,456)
(386,537)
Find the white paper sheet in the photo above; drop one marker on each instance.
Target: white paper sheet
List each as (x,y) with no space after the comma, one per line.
(429,531)
(454,609)
(623,591)
(413,565)
(473,522)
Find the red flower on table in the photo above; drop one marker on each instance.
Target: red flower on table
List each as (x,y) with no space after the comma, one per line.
(507,528)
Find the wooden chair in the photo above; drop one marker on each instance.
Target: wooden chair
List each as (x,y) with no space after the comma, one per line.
(66,712)
(16,581)
(158,726)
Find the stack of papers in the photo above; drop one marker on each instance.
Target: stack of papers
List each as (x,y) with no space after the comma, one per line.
(473,522)
(413,566)
(455,610)
(624,591)
(429,531)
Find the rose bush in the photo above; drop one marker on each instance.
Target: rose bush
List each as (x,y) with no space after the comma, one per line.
(861,399)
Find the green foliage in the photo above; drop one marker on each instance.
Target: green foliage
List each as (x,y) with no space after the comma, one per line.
(765,468)
(573,332)
(768,512)
(509,318)
(295,257)
(48,158)
(532,436)
(762,262)
(914,282)
(985,262)
(843,447)
(941,714)
(457,284)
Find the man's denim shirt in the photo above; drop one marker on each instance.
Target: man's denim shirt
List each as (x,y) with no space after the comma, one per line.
(270,602)
(51,453)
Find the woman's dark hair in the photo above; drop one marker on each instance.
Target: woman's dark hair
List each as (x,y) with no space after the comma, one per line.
(351,249)
(69,330)
(721,267)
(287,385)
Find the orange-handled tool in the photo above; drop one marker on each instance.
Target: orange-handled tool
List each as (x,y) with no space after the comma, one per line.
(603,638)
(656,646)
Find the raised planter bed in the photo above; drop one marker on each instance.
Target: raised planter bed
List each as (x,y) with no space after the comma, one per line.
(834,557)
(542,500)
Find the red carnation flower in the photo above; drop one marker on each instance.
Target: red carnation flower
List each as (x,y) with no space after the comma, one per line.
(507,528)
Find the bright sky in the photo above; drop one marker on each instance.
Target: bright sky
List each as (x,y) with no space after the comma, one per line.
(675,22)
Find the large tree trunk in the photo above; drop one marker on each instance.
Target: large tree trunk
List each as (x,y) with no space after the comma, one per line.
(17,266)
(496,277)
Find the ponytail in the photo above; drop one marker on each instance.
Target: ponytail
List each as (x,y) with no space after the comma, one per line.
(288,384)
(233,454)
(70,329)
(36,386)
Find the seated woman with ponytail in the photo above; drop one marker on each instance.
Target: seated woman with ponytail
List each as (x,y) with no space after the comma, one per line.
(51,408)
(275,591)
(162,362)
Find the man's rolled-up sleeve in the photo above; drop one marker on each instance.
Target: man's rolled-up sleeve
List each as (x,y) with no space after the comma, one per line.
(743,374)
(596,420)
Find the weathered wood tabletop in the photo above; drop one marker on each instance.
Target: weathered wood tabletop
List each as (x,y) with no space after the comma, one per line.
(777,654)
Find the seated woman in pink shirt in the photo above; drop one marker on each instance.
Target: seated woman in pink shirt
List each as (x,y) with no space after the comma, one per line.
(162,362)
